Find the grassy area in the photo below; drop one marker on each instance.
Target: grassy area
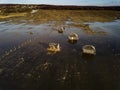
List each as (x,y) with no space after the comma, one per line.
(12,15)
(75,15)
(63,15)
(79,17)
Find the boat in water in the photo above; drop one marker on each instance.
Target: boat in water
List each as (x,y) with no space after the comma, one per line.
(53,47)
(89,49)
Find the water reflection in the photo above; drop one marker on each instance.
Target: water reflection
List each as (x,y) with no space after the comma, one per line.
(24,57)
(87,56)
(72,41)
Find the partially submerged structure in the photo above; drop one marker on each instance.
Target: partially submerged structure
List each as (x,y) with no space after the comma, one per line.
(53,47)
(73,37)
(89,49)
(61,29)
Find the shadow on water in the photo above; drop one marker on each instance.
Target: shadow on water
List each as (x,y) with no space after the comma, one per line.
(88,56)
(72,41)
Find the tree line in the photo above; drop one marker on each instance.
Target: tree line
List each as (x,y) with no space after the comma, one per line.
(8,8)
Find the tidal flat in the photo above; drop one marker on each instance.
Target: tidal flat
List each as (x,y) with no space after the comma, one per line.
(25,63)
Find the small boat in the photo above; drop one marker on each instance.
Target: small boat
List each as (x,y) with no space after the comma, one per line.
(89,49)
(53,47)
(61,29)
(73,37)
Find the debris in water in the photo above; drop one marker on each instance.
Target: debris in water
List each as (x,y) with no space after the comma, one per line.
(53,47)
(73,37)
(61,29)
(89,49)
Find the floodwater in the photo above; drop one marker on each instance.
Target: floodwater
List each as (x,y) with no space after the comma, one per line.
(25,63)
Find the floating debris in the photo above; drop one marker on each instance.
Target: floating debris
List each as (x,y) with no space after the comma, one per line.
(89,49)
(61,29)
(53,47)
(73,37)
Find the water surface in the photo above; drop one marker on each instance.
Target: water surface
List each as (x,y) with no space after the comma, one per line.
(25,63)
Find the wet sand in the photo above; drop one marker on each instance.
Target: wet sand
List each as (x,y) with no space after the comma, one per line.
(26,64)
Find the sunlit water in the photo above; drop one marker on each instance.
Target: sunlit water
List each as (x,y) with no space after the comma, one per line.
(26,65)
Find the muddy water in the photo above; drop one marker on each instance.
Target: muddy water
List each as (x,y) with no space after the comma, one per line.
(26,65)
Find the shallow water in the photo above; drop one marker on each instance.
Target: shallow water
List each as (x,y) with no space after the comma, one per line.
(25,63)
